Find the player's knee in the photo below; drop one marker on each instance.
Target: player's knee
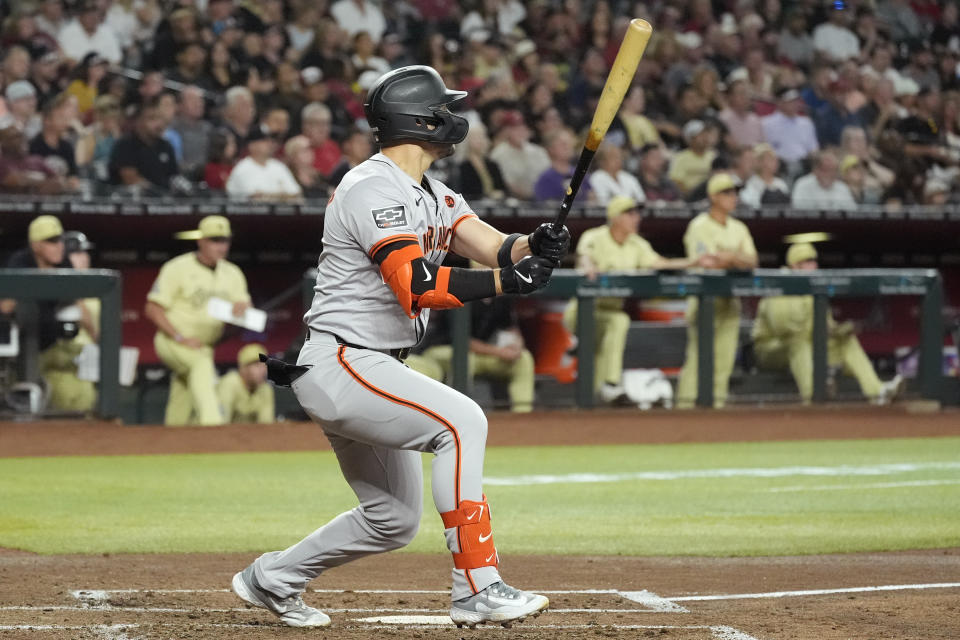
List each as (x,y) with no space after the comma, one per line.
(396,526)
(406,525)
(473,424)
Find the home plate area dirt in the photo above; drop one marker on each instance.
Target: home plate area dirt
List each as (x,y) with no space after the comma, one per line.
(909,595)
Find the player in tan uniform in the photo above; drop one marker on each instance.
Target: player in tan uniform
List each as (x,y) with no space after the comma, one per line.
(718,241)
(386,232)
(186,333)
(615,246)
(244,393)
(783,338)
(58,363)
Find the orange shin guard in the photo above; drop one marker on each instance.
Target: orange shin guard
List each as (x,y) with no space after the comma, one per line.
(472,520)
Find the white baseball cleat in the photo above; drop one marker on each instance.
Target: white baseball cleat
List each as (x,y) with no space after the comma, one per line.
(292,611)
(497,604)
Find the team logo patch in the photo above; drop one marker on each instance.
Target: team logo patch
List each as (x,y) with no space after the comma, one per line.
(390,217)
(449,201)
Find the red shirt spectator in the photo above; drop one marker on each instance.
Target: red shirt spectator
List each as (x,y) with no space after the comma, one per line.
(316,126)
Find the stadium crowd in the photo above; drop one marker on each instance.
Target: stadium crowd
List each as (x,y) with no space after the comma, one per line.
(811,104)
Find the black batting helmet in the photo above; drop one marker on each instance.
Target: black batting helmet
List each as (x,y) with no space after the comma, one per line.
(403,102)
(74,241)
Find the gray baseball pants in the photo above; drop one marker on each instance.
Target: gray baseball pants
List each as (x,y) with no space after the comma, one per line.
(379,416)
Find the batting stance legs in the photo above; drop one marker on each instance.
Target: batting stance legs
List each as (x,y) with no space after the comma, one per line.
(378,415)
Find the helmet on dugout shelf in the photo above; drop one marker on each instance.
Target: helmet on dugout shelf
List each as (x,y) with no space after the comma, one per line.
(403,102)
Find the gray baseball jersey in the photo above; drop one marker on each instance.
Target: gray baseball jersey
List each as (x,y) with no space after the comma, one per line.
(376,203)
(377,413)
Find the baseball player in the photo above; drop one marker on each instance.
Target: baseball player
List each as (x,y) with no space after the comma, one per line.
(58,364)
(244,393)
(615,246)
(186,333)
(718,241)
(386,231)
(783,338)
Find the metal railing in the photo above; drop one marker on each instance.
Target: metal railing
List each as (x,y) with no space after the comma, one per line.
(30,285)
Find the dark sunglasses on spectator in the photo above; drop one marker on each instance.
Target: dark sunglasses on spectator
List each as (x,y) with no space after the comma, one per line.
(731,190)
(219,239)
(54,239)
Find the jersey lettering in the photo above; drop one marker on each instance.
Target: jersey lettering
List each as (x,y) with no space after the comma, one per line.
(437,239)
(390,217)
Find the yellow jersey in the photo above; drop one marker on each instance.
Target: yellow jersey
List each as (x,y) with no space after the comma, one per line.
(689,169)
(185,285)
(607,254)
(705,235)
(240,405)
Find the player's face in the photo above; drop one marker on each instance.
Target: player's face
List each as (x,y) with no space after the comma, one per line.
(213,249)
(254,374)
(49,251)
(80,260)
(806,265)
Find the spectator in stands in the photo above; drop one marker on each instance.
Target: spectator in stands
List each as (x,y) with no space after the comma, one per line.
(299,157)
(22,109)
(480,177)
(260,176)
(765,187)
(640,129)
(223,70)
(52,142)
(142,158)
(365,55)
(790,133)
(354,16)
(46,76)
(302,29)
(521,162)
(45,251)
(89,33)
(316,120)
(239,113)
(85,82)
(222,158)
(95,144)
(821,189)
(553,182)
(783,339)
(691,166)
(833,39)
(167,106)
(276,122)
(58,364)
(21,172)
(609,179)
(922,130)
(900,20)
(191,65)
(936,192)
(653,175)
(186,333)
(615,246)
(743,125)
(357,148)
(244,393)
(717,240)
(51,19)
(853,141)
(794,42)
(830,119)
(854,176)
(194,131)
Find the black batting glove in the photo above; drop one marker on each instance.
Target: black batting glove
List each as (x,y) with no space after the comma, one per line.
(527,275)
(550,243)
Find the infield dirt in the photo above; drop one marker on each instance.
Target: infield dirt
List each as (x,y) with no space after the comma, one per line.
(129,596)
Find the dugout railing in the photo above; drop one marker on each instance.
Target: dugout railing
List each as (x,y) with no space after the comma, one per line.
(707,286)
(28,286)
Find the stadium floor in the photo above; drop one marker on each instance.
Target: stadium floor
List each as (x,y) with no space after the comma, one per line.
(899,595)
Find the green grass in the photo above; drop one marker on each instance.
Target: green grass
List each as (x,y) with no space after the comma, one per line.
(261,501)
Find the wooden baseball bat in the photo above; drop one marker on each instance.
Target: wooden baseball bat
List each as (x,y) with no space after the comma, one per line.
(621,75)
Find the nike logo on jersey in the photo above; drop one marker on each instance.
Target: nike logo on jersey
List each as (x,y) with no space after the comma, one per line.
(526,279)
(476,513)
(426,272)
(491,557)
(419,200)
(485,538)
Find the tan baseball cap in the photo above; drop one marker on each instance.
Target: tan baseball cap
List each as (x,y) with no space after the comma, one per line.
(619,204)
(721,182)
(250,353)
(800,253)
(209,227)
(44,228)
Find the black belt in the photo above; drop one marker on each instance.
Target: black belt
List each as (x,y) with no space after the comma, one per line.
(397,354)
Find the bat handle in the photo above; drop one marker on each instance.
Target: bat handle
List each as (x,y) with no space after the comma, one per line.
(586,156)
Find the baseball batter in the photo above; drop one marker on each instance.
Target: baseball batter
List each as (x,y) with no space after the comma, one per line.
(387,230)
